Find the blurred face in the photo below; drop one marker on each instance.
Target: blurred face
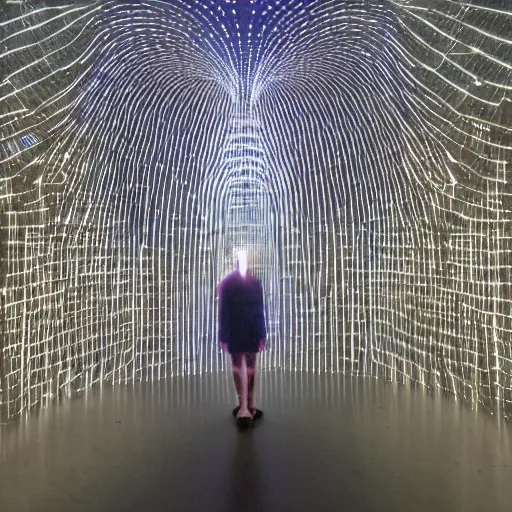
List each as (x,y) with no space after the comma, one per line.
(242,262)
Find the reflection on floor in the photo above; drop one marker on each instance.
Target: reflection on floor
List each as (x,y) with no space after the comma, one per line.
(326,443)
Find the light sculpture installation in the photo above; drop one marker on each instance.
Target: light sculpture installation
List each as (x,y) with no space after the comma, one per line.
(359,150)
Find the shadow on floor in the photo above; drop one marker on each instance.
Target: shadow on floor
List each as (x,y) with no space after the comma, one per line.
(325,443)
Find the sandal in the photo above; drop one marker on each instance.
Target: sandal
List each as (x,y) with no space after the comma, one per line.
(243,423)
(256,413)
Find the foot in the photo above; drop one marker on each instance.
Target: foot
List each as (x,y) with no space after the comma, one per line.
(256,413)
(243,413)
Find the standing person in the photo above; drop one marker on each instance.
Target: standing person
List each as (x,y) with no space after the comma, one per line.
(242,334)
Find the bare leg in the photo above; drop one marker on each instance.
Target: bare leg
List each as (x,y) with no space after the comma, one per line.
(251,372)
(238,382)
(241,383)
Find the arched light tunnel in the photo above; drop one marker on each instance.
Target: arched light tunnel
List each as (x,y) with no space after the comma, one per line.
(359,150)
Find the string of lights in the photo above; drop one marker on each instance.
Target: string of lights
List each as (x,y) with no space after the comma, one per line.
(359,150)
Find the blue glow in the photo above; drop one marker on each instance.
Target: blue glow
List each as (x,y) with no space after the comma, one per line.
(29,140)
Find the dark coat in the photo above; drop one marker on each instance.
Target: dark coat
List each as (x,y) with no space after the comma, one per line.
(241,313)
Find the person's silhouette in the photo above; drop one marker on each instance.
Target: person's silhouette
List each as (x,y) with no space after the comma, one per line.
(242,333)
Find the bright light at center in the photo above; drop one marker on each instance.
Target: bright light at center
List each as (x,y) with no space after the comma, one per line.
(242,262)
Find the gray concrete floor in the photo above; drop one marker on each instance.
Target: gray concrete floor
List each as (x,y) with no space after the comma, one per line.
(326,443)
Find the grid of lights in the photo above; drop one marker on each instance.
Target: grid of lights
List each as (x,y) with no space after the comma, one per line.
(358,150)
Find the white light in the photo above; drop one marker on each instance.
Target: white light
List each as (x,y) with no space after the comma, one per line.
(242,262)
(334,178)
